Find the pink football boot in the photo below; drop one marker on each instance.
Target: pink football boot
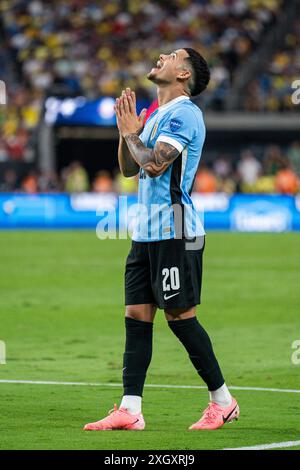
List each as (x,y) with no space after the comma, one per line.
(118,419)
(215,416)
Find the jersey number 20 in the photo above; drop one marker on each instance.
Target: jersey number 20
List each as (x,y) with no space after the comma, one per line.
(171,280)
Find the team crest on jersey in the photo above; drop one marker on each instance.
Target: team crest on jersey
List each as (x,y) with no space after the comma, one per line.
(154,130)
(175,124)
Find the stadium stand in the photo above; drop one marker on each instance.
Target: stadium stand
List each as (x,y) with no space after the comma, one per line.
(84,47)
(272,90)
(97,47)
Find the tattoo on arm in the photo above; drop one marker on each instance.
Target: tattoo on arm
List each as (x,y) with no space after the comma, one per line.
(154,161)
(128,165)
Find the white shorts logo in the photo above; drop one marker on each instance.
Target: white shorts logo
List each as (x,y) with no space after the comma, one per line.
(167,297)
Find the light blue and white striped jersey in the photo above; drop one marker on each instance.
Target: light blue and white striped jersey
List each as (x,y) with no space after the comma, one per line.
(179,123)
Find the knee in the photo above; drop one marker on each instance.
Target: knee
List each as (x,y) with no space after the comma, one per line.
(140,313)
(179,314)
(133,312)
(174,313)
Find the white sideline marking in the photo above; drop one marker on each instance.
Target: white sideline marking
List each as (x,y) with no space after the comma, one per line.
(275,445)
(196,387)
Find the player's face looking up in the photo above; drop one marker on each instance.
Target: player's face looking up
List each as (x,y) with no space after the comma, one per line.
(171,69)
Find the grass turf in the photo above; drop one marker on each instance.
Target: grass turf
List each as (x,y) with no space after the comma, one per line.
(61,316)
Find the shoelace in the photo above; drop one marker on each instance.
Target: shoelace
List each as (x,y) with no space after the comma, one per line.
(115,408)
(209,414)
(111,413)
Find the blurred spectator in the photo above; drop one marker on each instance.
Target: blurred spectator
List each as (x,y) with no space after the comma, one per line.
(30,183)
(76,178)
(286,181)
(249,169)
(103,182)
(227,185)
(273,160)
(205,181)
(9,183)
(48,182)
(223,167)
(3,151)
(125,185)
(265,184)
(18,120)
(293,155)
(16,144)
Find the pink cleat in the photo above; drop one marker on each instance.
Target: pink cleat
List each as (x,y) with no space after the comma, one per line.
(215,416)
(118,419)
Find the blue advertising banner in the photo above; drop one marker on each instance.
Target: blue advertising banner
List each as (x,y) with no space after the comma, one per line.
(240,213)
(81,111)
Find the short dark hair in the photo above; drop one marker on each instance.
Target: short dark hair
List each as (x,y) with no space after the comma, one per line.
(200,70)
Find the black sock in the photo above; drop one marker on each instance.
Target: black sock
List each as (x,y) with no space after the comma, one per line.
(137,356)
(198,345)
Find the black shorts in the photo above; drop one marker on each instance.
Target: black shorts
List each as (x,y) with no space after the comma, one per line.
(164,273)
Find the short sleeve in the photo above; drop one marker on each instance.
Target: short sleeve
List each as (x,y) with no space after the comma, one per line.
(179,129)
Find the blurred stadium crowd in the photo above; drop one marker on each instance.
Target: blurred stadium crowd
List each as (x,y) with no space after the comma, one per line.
(276,172)
(272,90)
(95,48)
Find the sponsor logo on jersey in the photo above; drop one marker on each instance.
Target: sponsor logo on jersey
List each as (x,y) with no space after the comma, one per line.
(175,125)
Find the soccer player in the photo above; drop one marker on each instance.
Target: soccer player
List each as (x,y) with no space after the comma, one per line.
(164,266)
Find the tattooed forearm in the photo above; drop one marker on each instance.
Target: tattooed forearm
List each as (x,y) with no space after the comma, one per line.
(127,164)
(154,161)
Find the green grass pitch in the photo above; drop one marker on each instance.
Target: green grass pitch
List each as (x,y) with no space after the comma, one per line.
(61,316)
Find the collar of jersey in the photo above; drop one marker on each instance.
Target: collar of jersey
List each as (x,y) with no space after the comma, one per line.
(170,103)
